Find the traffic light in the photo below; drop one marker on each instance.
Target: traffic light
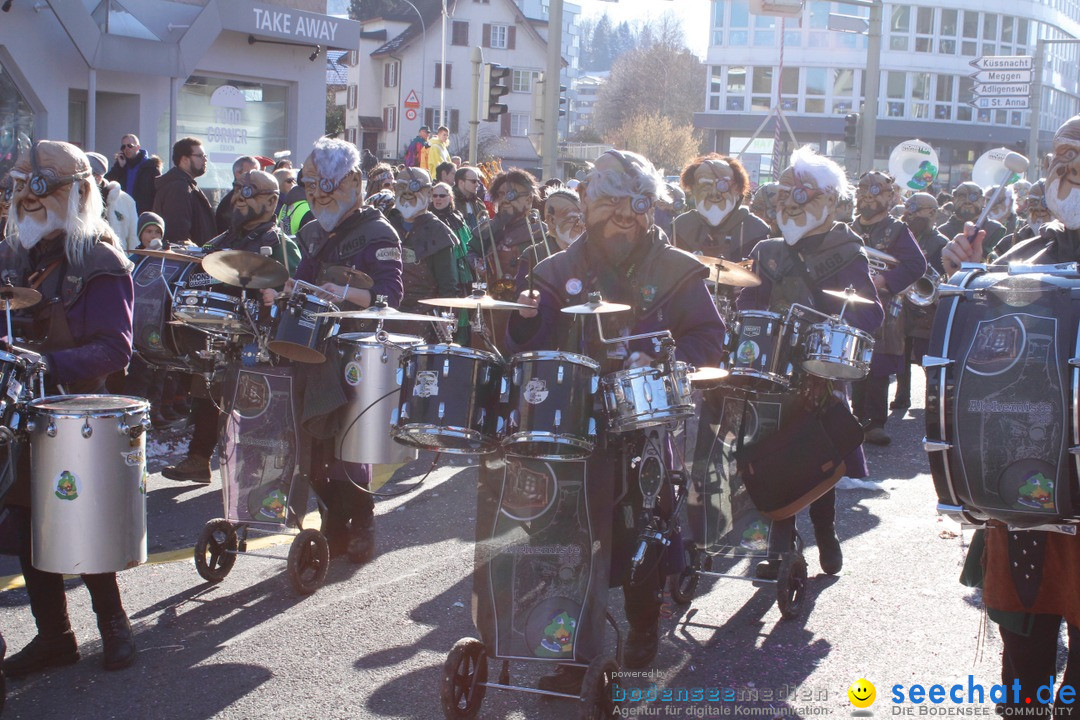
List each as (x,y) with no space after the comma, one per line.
(496,83)
(562,101)
(851,130)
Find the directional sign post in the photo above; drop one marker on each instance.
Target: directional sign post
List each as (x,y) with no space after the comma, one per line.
(1002,82)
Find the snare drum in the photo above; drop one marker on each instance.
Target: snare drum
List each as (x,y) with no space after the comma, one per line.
(88,482)
(211,310)
(646,396)
(297,333)
(449,400)
(550,405)
(373,374)
(837,351)
(762,349)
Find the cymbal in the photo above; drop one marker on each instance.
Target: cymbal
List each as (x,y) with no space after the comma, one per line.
(476,302)
(168,255)
(595,308)
(17,298)
(848,295)
(726,272)
(707,374)
(345,275)
(245,269)
(381,313)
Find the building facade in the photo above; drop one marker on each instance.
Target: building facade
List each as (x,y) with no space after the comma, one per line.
(925,87)
(247,78)
(539,11)
(397,80)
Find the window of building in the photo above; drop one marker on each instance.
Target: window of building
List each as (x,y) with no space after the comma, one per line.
(815,90)
(16,115)
(390,73)
(895,92)
(459,33)
(764,30)
(522,80)
(899,28)
(739,22)
(439,75)
(389,118)
(761,88)
(351,94)
(498,37)
(519,124)
(433,119)
(718,23)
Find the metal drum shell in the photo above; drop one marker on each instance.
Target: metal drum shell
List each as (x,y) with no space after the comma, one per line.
(646,396)
(297,334)
(836,351)
(464,417)
(559,427)
(88,487)
(774,360)
(372,384)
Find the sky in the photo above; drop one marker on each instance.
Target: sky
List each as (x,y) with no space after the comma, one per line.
(695,15)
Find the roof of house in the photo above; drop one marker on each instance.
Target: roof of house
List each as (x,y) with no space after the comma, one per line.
(336,72)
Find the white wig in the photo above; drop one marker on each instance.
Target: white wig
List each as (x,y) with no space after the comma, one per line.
(638,176)
(85,224)
(826,173)
(335,158)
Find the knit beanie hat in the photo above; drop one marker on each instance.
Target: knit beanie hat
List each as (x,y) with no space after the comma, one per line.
(149,218)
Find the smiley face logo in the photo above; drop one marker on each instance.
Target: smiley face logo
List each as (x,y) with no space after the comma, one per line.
(862,693)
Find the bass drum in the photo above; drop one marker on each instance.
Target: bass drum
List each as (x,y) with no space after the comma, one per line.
(1002,416)
(156,281)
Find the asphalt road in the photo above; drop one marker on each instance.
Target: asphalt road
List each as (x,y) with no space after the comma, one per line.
(371,643)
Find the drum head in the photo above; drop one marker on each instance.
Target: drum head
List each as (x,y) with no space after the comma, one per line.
(296,352)
(370,338)
(80,405)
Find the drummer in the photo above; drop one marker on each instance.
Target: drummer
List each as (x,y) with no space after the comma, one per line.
(253,228)
(814,254)
(564,220)
(515,192)
(82,326)
(345,232)
(874,198)
(628,260)
(720,225)
(1029,606)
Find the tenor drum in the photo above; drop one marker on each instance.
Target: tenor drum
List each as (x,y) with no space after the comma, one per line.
(642,397)
(836,351)
(762,350)
(373,375)
(1002,412)
(88,482)
(211,310)
(449,400)
(297,333)
(550,405)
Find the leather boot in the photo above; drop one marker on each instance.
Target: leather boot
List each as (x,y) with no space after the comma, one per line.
(361,545)
(641,646)
(830,555)
(118,641)
(566,679)
(43,653)
(193,468)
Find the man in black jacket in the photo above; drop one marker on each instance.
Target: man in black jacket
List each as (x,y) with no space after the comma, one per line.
(136,172)
(179,201)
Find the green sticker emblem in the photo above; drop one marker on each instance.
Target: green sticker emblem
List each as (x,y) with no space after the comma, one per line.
(67,487)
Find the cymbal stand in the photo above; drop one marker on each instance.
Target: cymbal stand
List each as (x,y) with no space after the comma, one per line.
(477,322)
(5,298)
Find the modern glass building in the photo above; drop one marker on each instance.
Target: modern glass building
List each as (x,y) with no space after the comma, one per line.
(816,77)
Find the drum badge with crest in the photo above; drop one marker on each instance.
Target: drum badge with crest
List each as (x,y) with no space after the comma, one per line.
(648,294)
(352,373)
(67,487)
(427,383)
(535,391)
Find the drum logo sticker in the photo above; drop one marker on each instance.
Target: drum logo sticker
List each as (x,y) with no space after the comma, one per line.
(200,279)
(353,373)
(535,391)
(153,339)
(252,395)
(148,275)
(573,286)
(558,637)
(308,319)
(528,491)
(751,331)
(67,487)
(1036,493)
(748,352)
(133,458)
(427,383)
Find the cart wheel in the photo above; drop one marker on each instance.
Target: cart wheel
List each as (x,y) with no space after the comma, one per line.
(464,673)
(791,584)
(596,700)
(683,586)
(309,559)
(215,550)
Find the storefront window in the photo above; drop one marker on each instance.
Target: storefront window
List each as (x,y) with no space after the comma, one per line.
(16,120)
(232,118)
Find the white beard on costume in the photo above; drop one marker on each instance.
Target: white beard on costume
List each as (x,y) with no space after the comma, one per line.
(1067,210)
(715,214)
(411,210)
(330,219)
(566,239)
(793,232)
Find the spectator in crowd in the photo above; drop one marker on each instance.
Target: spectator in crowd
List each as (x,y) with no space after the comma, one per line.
(286,178)
(294,210)
(223,214)
(136,171)
(445,173)
(120,208)
(178,199)
(151,231)
(380,177)
(416,150)
(438,151)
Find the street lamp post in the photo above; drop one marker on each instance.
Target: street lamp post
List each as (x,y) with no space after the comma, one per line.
(549,150)
(442,85)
